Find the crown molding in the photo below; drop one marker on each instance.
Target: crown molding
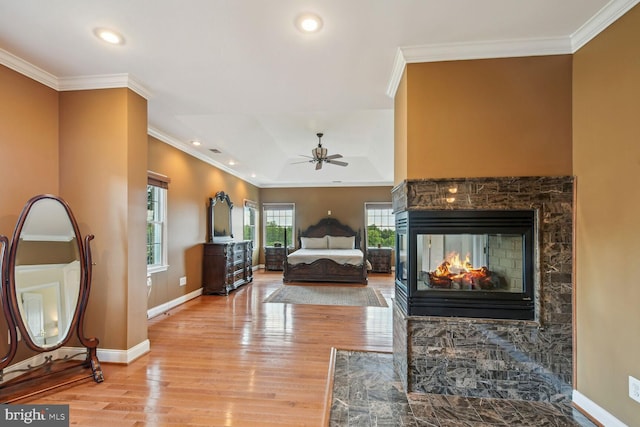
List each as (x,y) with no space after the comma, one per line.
(61,84)
(397,70)
(328,184)
(25,68)
(508,48)
(104,81)
(601,20)
(474,50)
(186,148)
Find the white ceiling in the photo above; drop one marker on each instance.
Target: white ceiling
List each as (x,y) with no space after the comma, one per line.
(238,76)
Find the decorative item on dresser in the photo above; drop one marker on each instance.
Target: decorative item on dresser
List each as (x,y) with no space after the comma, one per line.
(226,264)
(380,259)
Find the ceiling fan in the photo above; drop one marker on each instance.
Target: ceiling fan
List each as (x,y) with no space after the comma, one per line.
(319,156)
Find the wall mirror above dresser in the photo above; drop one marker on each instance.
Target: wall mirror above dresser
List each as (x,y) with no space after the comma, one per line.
(45,290)
(219,218)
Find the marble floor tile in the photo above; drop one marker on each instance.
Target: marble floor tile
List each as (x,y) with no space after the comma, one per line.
(368,393)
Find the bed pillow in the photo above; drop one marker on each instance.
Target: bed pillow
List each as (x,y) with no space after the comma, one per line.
(313,242)
(339,242)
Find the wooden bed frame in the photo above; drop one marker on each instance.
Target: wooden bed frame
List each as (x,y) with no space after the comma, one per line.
(326,270)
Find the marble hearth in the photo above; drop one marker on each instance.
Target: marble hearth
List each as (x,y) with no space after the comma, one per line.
(483,357)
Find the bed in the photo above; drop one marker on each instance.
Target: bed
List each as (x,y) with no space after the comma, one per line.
(328,251)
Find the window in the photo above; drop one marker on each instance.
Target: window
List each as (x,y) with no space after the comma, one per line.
(381,225)
(278,223)
(157,186)
(249,223)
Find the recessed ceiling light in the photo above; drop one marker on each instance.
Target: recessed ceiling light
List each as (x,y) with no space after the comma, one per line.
(309,23)
(109,36)
(231,163)
(195,142)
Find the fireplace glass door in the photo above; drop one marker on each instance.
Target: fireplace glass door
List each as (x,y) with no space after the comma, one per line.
(465,263)
(470,262)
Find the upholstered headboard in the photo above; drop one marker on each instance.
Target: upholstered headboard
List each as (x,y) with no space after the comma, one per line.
(329,227)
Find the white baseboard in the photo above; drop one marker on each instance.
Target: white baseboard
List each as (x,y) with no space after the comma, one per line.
(124,356)
(599,414)
(162,308)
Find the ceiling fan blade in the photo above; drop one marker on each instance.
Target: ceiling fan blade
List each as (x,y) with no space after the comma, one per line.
(337,162)
(318,165)
(304,161)
(334,156)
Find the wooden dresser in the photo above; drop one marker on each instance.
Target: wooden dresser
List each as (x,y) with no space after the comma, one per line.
(380,259)
(226,266)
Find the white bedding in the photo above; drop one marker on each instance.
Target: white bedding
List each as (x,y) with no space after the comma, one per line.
(341,256)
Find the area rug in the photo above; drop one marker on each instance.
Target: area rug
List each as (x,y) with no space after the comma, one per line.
(327,295)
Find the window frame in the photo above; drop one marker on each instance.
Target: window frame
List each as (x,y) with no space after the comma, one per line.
(250,205)
(391,225)
(279,206)
(159,183)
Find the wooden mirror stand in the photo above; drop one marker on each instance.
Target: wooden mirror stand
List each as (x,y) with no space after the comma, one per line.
(46,279)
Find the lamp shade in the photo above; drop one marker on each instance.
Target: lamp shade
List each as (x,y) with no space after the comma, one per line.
(319,152)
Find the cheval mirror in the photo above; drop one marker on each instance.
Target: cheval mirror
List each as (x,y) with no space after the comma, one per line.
(45,290)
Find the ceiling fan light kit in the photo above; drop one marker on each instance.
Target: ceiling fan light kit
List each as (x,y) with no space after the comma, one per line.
(319,155)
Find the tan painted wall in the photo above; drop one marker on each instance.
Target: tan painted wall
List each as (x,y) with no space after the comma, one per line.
(103,178)
(312,204)
(606,153)
(137,125)
(493,117)
(192,183)
(400,132)
(28,144)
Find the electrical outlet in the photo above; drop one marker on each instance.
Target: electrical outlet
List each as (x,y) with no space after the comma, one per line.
(183,281)
(634,388)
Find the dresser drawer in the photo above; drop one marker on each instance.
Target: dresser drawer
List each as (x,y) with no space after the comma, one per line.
(238,256)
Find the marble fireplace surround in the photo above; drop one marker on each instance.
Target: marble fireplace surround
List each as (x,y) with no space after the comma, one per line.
(530,360)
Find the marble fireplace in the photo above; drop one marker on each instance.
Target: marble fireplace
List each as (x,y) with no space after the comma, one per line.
(502,326)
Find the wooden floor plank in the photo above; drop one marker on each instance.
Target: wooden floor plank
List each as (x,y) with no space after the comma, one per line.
(233,361)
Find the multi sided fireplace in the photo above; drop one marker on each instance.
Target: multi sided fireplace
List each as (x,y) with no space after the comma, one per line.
(466,263)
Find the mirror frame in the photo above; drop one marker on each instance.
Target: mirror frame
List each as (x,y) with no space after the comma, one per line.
(222,197)
(6,310)
(17,324)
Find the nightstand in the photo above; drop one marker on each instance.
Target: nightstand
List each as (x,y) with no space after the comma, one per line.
(380,259)
(274,257)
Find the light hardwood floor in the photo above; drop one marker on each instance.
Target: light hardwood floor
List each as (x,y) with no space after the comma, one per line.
(233,361)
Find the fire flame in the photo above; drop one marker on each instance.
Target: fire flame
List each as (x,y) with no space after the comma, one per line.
(454,271)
